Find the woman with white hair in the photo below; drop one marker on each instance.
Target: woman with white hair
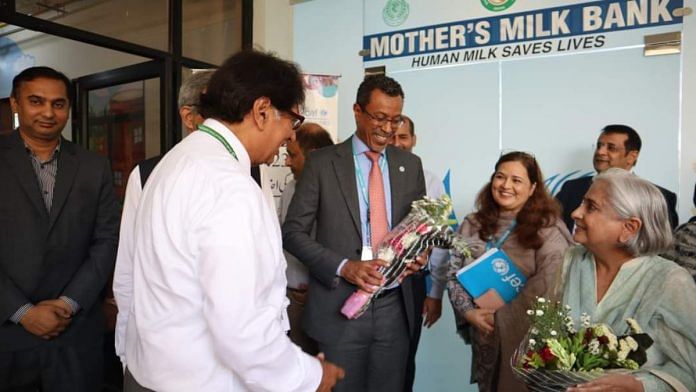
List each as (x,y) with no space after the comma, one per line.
(616,274)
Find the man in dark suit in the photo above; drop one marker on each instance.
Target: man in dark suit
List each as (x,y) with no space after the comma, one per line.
(336,192)
(59,224)
(617,146)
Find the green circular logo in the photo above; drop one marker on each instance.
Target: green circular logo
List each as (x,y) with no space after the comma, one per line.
(497,5)
(395,12)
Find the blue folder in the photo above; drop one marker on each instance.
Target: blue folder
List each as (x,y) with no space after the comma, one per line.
(492,270)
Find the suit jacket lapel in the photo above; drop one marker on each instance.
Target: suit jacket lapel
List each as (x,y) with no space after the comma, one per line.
(18,160)
(67,169)
(397,179)
(345,174)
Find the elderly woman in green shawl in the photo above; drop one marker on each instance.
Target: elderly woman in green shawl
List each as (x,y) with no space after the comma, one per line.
(616,274)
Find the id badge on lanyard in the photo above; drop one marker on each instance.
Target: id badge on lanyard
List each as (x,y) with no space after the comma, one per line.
(366,253)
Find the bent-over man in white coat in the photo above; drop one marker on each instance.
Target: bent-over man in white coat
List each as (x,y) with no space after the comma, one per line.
(208,304)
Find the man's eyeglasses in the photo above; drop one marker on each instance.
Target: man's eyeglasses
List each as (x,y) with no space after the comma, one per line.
(297,119)
(383,120)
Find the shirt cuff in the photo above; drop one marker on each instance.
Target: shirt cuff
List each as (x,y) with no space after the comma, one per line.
(17,316)
(74,306)
(340,267)
(437,288)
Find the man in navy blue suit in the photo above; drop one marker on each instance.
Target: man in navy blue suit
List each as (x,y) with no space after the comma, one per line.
(617,146)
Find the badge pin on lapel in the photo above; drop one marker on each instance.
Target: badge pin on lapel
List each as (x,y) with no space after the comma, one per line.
(401,169)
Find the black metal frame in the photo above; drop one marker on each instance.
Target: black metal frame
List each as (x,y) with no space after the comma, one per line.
(169,63)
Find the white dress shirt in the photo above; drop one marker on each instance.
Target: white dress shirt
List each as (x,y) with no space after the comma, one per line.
(123,273)
(207,311)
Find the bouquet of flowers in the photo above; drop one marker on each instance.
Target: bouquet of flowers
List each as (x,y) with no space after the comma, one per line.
(426,225)
(556,355)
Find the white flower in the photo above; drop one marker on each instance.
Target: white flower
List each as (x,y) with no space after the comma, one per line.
(539,312)
(612,341)
(632,344)
(585,320)
(553,333)
(570,325)
(633,324)
(594,347)
(408,239)
(534,331)
(387,254)
(541,300)
(530,312)
(567,307)
(624,349)
(532,342)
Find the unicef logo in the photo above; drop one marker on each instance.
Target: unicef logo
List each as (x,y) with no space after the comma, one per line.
(497,5)
(395,12)
(500,266)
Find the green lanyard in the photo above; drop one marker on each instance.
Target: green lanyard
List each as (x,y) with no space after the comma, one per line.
(216,135)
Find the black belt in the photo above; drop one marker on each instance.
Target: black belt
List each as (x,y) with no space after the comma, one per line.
(387,292)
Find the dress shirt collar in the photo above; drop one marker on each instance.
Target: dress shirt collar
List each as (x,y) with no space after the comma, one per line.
(359,147)
(232,139)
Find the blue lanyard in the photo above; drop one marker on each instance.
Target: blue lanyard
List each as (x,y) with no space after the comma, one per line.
(502,238)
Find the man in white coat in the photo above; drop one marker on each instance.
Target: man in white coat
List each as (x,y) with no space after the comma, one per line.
(208,305)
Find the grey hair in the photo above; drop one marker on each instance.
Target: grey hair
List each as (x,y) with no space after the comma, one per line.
(634,197)
(191,89)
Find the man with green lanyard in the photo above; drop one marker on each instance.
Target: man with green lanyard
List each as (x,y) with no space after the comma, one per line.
(208,304)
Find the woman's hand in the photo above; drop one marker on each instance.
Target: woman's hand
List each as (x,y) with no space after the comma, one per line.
(482,319)
(611,383)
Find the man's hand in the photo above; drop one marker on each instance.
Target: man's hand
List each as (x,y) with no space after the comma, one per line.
(482,319)
(364,274)
(432,310)
(330,374)
(611,383)
(59,303)
(46,321)
(418,263)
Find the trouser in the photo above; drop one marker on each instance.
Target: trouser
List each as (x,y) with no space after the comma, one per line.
(297,299)
(52,367)
(374,347)
(130,385)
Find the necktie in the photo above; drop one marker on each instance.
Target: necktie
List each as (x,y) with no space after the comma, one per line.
(378,207)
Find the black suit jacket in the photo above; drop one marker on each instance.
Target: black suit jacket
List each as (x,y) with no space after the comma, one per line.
(327,193)
(70,251)
(571,194)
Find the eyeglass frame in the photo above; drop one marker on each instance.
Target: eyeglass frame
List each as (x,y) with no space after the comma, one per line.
(381,122)
(295,118)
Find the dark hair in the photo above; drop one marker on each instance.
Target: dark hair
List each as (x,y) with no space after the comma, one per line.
(247,76)
(33,73)
(411,125)
(632,143)
(383,83)
(541,210)
(311,136)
